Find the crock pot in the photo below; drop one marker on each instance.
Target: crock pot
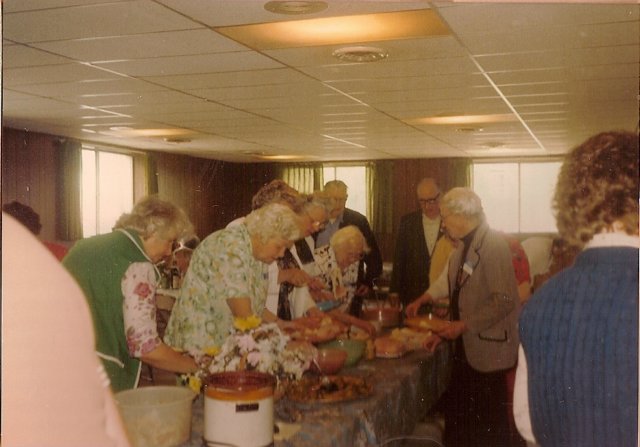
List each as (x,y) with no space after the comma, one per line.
(238,409)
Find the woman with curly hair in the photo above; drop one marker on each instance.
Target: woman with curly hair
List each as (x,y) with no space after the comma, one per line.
(118,276)
(579,331)
(227,278)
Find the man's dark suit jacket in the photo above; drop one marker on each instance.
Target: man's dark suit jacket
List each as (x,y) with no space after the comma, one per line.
(410,276)
(373,260)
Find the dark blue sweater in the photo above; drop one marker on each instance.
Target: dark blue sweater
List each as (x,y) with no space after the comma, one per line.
(580,337)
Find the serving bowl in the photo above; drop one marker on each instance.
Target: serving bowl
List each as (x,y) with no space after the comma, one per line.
(386,317)
(353,348)
(330,360)
(156,416)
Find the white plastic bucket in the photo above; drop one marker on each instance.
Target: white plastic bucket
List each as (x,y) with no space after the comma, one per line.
(156,416)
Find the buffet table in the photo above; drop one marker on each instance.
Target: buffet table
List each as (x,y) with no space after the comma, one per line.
(404,390)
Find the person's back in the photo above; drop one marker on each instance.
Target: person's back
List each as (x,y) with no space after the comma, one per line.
(579,331)
(584,378)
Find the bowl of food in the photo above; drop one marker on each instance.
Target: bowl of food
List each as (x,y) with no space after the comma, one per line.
(329,360)
(156,416)
(353,348)
(385,317)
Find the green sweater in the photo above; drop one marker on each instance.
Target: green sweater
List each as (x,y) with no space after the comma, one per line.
(98,264)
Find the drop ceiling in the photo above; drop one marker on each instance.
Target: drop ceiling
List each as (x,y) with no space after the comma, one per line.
(136,73)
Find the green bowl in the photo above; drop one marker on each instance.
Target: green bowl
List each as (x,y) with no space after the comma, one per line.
(354,348)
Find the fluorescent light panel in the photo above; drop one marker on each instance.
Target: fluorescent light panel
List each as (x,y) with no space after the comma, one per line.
(338,30)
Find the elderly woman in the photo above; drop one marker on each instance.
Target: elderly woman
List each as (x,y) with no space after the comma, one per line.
(580,330)
(337,264)
(297,266)
(227,278)
(484,308)
(117,274)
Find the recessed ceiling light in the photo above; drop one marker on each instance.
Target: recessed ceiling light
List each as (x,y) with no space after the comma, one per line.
(295,8)
(464,119)
(341,30)
(130,132)
(360,54)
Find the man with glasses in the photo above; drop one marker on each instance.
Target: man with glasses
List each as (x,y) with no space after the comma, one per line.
(417,236)
(370,266)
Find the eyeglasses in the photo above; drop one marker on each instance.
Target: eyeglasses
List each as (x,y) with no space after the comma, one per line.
(318,224)
(430,201)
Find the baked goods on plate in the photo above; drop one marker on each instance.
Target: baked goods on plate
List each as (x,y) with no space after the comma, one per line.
(316,329)
(389,347)
(425,323)
(410,338)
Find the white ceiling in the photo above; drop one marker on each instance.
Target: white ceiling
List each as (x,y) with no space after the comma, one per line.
(78,68)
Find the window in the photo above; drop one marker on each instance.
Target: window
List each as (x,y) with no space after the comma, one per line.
(107,189)
(516,197)
(356,179)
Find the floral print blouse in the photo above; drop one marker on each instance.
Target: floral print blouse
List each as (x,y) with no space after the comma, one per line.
(331,275)
(222,267)
(139,308)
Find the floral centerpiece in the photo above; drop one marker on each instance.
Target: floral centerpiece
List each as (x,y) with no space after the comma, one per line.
(255,347)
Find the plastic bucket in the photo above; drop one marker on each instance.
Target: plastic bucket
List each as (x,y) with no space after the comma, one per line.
(156,416)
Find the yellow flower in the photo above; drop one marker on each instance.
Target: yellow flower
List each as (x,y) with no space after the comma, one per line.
(248,323)
(195,383)
(212,351)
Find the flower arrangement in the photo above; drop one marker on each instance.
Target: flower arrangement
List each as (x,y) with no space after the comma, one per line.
(255,347)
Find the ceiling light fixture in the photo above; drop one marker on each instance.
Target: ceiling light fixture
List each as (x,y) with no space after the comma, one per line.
(343,30)
(360,54)
(295,8)
(464,119)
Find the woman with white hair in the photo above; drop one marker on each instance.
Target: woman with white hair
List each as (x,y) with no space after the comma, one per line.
(117,274)
(338,266)
(484,308)
(227,278)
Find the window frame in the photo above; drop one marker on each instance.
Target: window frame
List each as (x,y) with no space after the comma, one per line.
(96,159)
(519,161)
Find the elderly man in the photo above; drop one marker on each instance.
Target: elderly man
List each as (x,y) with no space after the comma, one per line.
(484,313)
(417,236)
(370,267)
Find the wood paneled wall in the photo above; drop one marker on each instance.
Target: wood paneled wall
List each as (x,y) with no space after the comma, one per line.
(212,192)
(29,174)
(448,172)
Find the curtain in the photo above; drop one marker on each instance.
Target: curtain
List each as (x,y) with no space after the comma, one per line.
(151,174)
(379,175)
(304,177)
(69,216)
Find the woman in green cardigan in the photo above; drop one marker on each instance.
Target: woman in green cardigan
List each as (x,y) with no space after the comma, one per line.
(117,273)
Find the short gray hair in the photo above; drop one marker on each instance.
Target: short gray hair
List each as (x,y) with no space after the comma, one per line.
(349,236)
(463,201)
(154,215)
(319,200)
(335,184)
(274,221)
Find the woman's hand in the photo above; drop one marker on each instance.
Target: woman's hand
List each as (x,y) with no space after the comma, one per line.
(296,277)
(432,342)
(452,330)
(316,283)
(412,308)
(321,295)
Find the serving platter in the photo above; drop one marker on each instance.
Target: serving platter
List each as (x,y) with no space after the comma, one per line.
(426,323)
(316,330)
(329,389)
